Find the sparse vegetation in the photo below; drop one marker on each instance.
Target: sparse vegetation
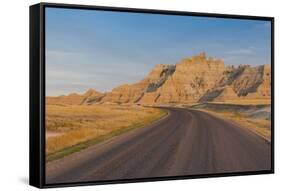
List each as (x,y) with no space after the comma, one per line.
(76,121)
(79,126)
(260,125)
(246,101)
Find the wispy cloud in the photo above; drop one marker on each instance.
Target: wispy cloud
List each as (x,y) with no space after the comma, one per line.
(267,25)
(242,51)
(68,72)
(90,52)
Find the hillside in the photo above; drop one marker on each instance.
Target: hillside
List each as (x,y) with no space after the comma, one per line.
(196,79)
(75,99)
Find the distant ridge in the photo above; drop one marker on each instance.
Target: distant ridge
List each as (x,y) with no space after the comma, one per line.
(195,79)
(75,99)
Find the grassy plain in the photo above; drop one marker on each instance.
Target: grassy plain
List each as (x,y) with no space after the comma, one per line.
(79,126)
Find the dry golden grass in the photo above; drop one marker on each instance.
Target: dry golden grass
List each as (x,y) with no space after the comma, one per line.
(79,123)
(247,101)
(261,127)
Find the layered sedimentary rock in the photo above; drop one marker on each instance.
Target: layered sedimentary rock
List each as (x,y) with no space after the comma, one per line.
(191,79)
(135,92)
(248,81)
(243,82)
(185,82)
(92,96)
(221,94)
(75,99)
(195,79)
(263,90)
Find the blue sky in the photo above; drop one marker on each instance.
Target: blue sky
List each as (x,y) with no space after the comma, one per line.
(101,50)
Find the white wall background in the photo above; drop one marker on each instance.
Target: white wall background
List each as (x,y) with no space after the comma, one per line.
(14,87)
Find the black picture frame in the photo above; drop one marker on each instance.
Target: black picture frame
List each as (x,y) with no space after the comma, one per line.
(37,93)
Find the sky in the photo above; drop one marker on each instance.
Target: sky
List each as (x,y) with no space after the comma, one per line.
(102,49)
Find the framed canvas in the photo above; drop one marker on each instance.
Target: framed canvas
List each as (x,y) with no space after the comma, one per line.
(122,95)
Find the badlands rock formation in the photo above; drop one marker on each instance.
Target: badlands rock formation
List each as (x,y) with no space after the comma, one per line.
(196,79)
(244,82)
(75,99)
(137,92)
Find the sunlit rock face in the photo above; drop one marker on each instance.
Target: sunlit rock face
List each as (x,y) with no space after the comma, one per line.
(76,99)
(195,79)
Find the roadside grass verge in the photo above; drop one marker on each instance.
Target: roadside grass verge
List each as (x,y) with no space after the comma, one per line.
(248,101)
(260,126)
(84,126)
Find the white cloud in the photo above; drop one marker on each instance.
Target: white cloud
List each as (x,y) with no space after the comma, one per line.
(242,51)
(75,72)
